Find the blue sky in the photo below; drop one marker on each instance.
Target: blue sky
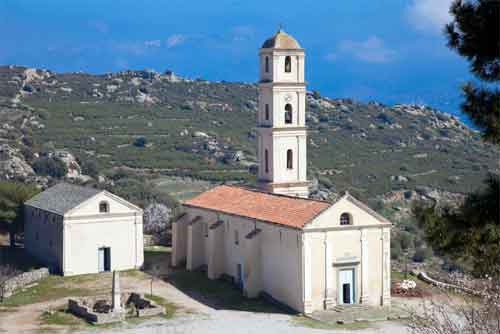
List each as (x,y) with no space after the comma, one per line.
(385,50)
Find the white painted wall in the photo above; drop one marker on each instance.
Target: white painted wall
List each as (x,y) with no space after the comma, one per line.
(70,244)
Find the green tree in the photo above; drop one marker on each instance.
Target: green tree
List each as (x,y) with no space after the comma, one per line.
(12,198)
(474,34)
(472,231)
(50,166)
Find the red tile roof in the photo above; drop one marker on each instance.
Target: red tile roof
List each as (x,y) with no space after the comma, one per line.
(285,210)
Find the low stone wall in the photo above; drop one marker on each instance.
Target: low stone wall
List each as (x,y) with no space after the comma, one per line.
(144,307)
(85,312)
(424,277)
(8,287)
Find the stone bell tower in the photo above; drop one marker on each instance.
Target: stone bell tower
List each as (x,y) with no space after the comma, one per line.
(281,119)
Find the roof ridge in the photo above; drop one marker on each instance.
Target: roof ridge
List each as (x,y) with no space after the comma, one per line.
(274,194)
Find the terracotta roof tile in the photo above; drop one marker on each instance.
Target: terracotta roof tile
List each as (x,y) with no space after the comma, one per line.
(290,211)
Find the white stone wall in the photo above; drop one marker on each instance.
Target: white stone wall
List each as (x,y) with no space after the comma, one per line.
(70,244)
(43,233)
(280,253)
(359,246)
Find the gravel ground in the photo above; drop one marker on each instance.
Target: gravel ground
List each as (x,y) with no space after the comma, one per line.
(234,322)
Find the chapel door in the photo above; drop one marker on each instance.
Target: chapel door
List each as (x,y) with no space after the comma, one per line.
(346,286)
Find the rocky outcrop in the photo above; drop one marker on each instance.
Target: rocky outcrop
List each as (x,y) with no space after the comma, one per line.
(12,164)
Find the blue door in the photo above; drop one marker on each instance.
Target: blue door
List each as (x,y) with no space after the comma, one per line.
(239,281)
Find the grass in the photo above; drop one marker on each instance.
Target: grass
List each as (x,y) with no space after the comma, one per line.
(52,288)
(61,318)
(161,249)
(304,321)
(169,308)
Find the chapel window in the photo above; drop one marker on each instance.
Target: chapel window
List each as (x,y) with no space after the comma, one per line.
(266,161)
(345,219)
(103,207)
(267,64)
(288,64)
(289,159)
(288,114)
(267,112)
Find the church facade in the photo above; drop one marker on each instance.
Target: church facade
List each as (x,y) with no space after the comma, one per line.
(307,254)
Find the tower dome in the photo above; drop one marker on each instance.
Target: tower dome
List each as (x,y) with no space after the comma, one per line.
(281,40)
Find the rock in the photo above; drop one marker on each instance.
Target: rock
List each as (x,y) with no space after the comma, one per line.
(199,134)
(66,89)
(399,178)
(12,164)
(78,119)
(420,156)
(184,132)
(74,169)
(111,88)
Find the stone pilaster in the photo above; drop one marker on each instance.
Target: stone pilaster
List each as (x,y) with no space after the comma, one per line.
(179,240)
(252,266)
(216,246)
(386,267)
(329,289)
(194,244)
(307,274)
(364,267)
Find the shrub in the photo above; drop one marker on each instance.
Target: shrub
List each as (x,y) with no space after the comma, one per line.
(140,142)
(406,240)
(422,254)
(396,250)
(50,167)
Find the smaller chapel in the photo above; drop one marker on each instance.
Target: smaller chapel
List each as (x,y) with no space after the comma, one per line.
(307,254)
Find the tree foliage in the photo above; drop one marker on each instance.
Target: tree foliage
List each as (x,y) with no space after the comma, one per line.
(475,34)
(12,197)
(157,219)
(470,233)
(50,167)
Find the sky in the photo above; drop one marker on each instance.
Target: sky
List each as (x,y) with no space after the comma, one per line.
(391,51)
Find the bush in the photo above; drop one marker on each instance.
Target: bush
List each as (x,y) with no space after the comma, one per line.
(396,250)
(406,240)
(50,167)
(89,167)
(140,142)
(422,254)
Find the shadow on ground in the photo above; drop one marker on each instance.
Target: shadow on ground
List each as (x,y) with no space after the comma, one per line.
(218,294)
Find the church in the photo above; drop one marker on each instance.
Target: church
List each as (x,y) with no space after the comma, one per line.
(273,240)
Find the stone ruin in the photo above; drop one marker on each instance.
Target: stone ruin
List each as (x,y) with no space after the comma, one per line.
(114,308)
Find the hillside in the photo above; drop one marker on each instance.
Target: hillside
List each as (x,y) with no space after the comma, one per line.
(205,130)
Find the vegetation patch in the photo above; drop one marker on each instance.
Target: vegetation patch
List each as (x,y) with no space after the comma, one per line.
(168,307)
(52,288)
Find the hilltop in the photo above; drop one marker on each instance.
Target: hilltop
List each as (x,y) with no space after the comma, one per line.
(165,125)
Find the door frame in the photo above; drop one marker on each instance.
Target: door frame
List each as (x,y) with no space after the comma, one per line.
(340,300)
(106,261)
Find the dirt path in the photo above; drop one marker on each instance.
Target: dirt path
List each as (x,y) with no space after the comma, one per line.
(26,318)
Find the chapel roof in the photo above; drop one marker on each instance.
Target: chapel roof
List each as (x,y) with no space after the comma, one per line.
(62,197)
(294,212)
(281,40)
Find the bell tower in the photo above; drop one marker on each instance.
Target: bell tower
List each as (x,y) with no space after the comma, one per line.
(281,121)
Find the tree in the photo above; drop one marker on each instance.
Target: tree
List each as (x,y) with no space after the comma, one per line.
(471,232)
(140,142)
(474,33)
(51,167)
(156,219)
(12,197)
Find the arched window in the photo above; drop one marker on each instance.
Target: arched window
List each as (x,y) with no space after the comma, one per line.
(267,112)
(267,64)
(288,114)
(289,159)
(266,161)
(288,64)
(345,219)
(103,207)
